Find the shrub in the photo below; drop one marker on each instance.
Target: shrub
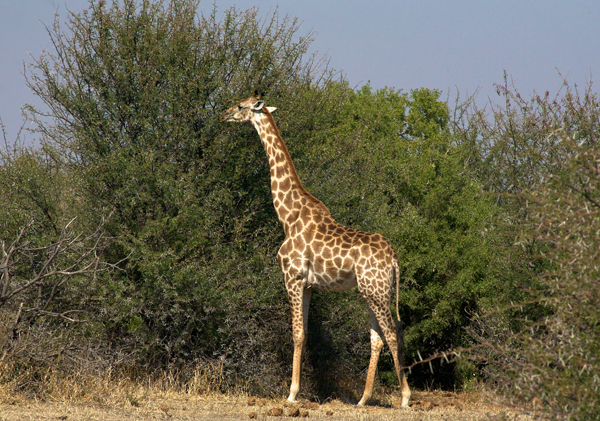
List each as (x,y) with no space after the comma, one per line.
(547,354)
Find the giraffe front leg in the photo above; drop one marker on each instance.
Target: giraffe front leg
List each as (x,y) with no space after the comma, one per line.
(299,303)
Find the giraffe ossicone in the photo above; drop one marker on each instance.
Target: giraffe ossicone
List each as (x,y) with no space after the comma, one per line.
(320,253)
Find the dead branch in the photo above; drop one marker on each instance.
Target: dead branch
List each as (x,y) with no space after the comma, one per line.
(49,267)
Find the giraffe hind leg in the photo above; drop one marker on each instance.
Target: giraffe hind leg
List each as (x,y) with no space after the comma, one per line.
(396,344)
(380,311)
(376,347)
(402,376)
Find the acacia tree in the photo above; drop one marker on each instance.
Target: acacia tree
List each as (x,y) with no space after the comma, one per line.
(42,282)
(543,158)
(390,164)
(49,266)
(133,91)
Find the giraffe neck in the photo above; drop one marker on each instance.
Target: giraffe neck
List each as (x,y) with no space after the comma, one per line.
(289,196)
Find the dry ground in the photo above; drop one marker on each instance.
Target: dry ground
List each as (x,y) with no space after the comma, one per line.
(425,406)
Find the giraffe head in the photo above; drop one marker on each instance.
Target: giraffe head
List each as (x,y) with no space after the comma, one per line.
(246,110)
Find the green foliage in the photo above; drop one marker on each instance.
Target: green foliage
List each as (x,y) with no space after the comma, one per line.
(48,260)
(403,175)
(548,155)
(134,91)
(31,188)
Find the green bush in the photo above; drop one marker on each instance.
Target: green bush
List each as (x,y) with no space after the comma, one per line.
(545,351)
(390,164)
(134,91)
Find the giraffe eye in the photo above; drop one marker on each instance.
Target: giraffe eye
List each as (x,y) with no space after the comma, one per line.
(239,107)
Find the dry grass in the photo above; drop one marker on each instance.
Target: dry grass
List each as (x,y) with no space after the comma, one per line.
(109,387)
(225,407)
(109,396)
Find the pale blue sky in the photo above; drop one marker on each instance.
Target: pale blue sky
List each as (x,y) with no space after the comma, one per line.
(446,45)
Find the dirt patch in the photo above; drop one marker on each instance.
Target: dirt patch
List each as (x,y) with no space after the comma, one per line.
(424,406)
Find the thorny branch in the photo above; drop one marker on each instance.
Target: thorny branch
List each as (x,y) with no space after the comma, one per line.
(48,268)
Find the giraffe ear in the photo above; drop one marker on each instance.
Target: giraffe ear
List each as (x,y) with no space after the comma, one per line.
(271,109)
(258,105)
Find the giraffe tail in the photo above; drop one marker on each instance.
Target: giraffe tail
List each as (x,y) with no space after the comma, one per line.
(396,277)
(399,323)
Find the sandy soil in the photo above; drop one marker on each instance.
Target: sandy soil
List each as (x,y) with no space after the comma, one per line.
(424,406)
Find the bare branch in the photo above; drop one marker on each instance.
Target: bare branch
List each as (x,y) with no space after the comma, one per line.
(49,267)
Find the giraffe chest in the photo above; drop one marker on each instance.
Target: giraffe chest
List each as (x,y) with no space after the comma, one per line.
(321,261)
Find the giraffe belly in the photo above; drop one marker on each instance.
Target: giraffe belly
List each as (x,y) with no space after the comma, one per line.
(332,280)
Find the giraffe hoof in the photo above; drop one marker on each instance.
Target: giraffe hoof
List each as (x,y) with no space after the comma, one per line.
(405,399)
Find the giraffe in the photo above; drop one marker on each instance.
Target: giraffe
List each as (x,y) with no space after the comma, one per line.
(320,253)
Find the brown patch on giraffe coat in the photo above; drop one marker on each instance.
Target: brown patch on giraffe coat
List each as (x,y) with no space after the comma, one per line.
(280,171)
(309,233)
(318,247)
(365,250)
(295,255)
(270,130)
(298,244)
(338,261)
(288,202)
(348,262)
(318,265)
(292,217)
(317,216)
(332,271)
(282,212)
(283,260)
(285,184)
(305,215)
